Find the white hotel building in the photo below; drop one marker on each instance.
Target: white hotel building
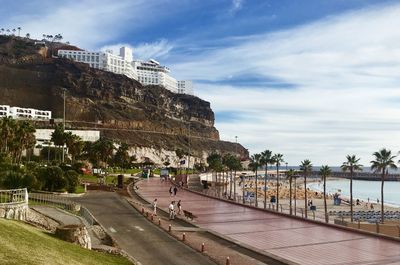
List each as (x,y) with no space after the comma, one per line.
(24,113)
(152,73)
(119,64)
(147,73)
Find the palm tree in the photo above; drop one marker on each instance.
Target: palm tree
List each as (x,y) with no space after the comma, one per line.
(306,168)
(7,129)
(74,144)
(255,164)
(19,31)
(2,30)
(106,150)
(325,172)
(14,30)
(295,176)
(231,163)
(290,174)
(214,162)
(383,161)
(58,136)
(278,159)
(351,165)
(266,158)
(28,35)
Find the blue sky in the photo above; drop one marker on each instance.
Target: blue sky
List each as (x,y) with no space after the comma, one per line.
(306,78)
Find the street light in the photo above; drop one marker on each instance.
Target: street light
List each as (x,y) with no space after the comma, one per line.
(63,151)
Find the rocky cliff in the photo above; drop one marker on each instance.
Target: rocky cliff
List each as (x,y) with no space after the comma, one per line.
(123,109)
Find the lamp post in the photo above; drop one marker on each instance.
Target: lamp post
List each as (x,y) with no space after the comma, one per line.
(188,165)
(234,177)
(63,151)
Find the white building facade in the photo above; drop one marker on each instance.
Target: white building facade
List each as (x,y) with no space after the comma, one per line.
(146,72)
(185,87)
(24,113)
(107,61)
(152,73)
(43,136)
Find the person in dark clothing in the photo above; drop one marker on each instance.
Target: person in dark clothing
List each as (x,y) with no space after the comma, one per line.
(175,190)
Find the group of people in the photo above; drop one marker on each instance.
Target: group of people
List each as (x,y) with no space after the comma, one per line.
(173,191)
(172,211)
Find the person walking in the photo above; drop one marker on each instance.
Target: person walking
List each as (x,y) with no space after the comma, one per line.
(171,211)
(179,205)
(170,191)
(175,190)
(155,206)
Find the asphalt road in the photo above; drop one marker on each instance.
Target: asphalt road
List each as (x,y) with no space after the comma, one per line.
(134,234)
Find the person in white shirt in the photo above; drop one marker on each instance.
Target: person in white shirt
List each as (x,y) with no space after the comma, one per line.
(155,206)
(171,210)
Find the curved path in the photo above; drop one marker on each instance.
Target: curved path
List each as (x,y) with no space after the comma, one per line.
(294,240)
(137,236)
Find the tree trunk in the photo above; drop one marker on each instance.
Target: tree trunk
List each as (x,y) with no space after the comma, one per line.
(290,195)
(305,196)
(325,206)
(382,204)
(234,186)
(351,194)
(295,197)
(256,190)
(265,186)
(230,185)
(277,187)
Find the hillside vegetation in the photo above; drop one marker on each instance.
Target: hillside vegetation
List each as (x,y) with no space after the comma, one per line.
(23,244)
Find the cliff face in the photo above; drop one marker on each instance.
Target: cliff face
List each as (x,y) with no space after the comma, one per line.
(120,107)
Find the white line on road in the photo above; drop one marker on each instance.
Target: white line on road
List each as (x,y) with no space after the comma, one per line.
(112,230)
(139,228)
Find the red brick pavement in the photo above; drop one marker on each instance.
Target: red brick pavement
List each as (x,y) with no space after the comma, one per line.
(299,241)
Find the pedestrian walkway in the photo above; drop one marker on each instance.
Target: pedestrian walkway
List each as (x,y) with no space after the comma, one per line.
(295,240)
(59,215)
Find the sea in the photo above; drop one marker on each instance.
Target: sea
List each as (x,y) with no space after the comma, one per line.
(362,189)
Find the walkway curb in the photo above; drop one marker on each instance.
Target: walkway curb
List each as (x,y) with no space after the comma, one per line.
(274,259)
(349,229)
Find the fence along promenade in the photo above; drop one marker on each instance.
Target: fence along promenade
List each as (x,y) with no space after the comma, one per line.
(14,203)
(291,238)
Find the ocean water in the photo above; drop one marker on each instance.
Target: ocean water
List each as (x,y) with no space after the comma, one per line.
(363,189)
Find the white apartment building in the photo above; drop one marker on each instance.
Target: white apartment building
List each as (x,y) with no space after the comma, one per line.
(185,87)
(24,113)
(119,64)
(152,73)
(43,136)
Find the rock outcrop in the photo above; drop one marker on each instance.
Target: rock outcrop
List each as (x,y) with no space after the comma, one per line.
(143,116)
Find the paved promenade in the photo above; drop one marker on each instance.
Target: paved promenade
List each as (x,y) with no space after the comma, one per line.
(295,240)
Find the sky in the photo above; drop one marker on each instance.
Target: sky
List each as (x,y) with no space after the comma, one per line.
(310,79)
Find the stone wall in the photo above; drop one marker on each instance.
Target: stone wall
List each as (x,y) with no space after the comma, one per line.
(14,211)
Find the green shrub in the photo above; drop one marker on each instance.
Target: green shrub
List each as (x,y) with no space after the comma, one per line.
(52,178)
(72,180)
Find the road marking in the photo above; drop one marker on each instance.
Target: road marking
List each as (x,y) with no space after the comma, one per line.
(139,228)
(112,230)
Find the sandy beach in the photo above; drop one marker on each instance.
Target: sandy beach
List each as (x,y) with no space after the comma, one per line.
(298,195)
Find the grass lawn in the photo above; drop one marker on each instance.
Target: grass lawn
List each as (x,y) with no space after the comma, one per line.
(23,244)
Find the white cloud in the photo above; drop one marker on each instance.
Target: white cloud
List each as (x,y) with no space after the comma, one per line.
(236,6)
(157,50)
(86,23)
(344,70)
(144,51)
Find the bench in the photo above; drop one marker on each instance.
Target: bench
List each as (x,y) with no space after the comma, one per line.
(189,215)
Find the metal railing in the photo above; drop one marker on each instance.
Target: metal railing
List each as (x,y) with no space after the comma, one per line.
(54,200)
(15,196)
(87,215)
